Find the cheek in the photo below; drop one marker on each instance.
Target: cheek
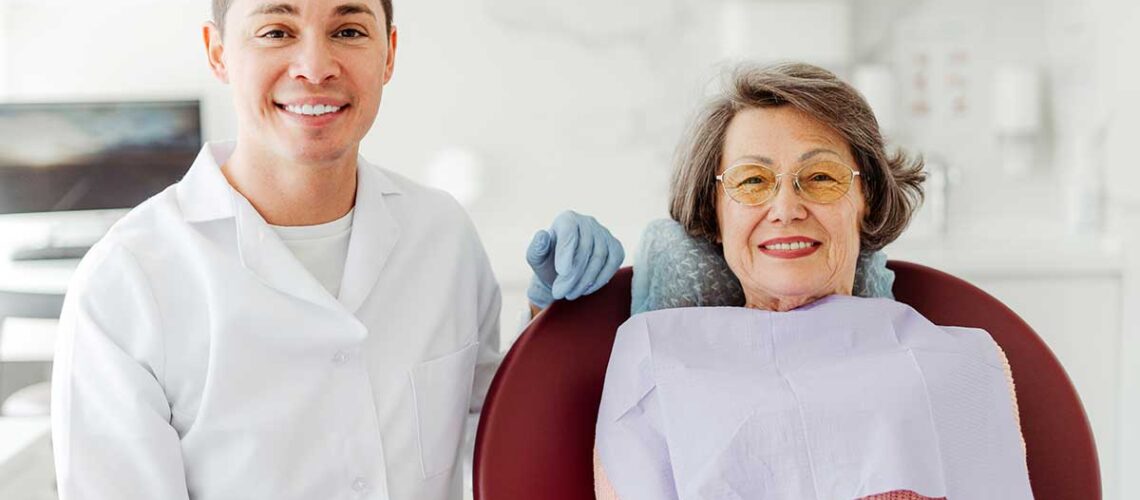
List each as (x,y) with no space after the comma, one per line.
(369,67)
(737,224)
(728,221)
(254,77)
(844,227)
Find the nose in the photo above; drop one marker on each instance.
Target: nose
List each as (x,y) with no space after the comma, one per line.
(315,62)
(786,206)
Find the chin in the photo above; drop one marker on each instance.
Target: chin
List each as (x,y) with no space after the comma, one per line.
(317,150)
(787,283)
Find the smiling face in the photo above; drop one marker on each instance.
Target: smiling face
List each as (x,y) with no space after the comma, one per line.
(788,251)
(307,76)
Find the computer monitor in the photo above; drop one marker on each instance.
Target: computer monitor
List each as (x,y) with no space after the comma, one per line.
(68,171)
(57,157)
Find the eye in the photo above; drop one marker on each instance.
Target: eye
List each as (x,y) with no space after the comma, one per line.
(274,34)
(824,173)
(755,181)
(350,33)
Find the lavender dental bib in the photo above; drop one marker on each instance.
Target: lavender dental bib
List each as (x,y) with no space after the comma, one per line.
(843,398)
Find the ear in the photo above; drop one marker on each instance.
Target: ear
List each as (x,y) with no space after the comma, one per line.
(390,64)
(212,36)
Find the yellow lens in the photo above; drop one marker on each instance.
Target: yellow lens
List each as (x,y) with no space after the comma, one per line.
(825,182)
(750,184)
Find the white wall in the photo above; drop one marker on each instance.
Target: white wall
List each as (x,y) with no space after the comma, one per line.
(136,49)
(945,55)
(566,113)
(1119,70)
(3,51)
(1118,99)
(85,49)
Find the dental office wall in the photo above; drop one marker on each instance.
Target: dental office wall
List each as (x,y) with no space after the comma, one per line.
(579,105)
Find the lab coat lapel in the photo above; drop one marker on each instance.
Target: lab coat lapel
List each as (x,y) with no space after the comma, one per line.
(205,195)
(374,235)
(263,253)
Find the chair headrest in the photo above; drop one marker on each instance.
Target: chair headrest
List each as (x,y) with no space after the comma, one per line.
(673,269)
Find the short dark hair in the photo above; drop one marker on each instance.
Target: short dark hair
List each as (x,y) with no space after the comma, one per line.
(892,184)
(221,7)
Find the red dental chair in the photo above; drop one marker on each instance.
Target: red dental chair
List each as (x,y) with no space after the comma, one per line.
(536,433)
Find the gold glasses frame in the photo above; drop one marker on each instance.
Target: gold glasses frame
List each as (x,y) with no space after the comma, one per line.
(795,175)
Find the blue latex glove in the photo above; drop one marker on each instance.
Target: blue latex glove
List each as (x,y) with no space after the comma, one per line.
(575,257)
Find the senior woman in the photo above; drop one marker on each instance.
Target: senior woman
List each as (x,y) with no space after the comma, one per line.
(805,392)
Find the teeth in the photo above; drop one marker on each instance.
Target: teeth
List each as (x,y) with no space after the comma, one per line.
(310,110)
(799,245)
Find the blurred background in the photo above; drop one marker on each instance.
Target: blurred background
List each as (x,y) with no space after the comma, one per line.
(1027,112)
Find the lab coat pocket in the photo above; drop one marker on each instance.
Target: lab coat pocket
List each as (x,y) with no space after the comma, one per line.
(442,389)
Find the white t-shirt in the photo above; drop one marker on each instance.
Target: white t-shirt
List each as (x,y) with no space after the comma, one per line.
(322,249)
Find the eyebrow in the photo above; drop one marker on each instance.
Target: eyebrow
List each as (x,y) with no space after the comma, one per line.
(354,8)
(290,10)
(268,9)
(804,157)
(758,159)
(816,152)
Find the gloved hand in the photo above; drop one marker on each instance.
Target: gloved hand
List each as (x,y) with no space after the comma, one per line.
(575,257)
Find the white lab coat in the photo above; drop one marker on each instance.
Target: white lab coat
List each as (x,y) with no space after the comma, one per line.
(199,359)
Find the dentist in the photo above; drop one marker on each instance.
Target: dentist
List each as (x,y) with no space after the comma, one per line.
(289,321)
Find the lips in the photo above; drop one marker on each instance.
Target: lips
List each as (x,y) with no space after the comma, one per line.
(312,101)
(312,106)
(790,247)
(310,110)
(313,112)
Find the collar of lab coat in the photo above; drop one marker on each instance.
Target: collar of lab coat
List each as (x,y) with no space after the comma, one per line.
(205,195)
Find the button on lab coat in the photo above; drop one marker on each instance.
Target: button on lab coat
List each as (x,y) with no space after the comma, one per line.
(199,359)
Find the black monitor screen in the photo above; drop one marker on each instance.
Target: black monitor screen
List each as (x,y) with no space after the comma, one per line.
(88,156)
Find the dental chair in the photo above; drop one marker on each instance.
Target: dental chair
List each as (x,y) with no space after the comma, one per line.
(536,432)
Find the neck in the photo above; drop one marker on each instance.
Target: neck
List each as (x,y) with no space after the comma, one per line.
(784,303)
(779,304)
(292,192)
